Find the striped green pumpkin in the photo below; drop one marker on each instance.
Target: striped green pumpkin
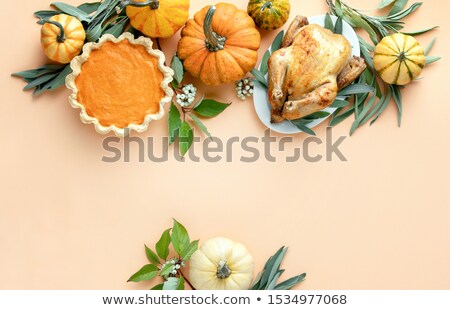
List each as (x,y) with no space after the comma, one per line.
(269,14)
(399,59)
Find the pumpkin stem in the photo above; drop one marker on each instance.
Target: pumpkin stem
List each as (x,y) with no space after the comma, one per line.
(266,5)
(402,56)
(152,4)
(62,35)
(214,42)
(223,271)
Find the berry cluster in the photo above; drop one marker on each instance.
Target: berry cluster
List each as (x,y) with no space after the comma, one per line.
(245,88)
(188,96)
(176,265)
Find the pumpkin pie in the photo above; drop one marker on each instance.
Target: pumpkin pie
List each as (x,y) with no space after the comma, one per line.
(119,84)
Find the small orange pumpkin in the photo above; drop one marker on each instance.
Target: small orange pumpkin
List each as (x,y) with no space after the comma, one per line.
(158,19)
(62,38)
(220,45)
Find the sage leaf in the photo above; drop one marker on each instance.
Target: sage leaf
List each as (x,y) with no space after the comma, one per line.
(158,287)
(264,67)
(300,125)
(290,283)
(338,103)
(178,68)
(431,59)
(146,273)
(430,46)
(200,125)
(385,3)
(339,27)
(382,107)
(317,115)
(61,78)
(398,6)
(46,14)
(116,30)
(174,123)
(191,249)
(89,8)
(329,22)
(403,14)
(396,93)
(171,284)
(180,238)
(259,76)
(356,89)
(151,256)
(40,80)
(338,118)
(415,33)
(162,246)
(210,108)
(186,138)
(360,116)
(73,11)
(94,34)
(276,45)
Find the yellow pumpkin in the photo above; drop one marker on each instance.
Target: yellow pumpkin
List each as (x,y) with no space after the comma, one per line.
(62,38)
(220,45)
(158,19)
(221,264)
(269,14)
(399,59)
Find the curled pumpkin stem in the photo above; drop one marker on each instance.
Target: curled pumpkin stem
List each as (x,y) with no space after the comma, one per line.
(152,4)
(214,42)
(62,35)
(266,5)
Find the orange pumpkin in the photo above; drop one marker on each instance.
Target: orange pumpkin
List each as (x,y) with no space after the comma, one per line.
(62,38)
(220,45)
(158,19)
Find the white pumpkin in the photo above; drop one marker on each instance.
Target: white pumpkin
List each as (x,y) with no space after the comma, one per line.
(221,264)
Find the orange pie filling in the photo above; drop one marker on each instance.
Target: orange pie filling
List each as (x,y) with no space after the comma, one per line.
(120,84)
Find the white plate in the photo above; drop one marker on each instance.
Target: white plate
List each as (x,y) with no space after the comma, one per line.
(260,98)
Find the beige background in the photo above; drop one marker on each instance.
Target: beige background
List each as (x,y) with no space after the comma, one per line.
(69,221)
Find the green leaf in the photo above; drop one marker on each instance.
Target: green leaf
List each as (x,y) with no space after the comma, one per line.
(290,283)
(259,76)
(385,3)
(40,80)
(431,59)
(117,29)
(191,249)
(316,115)
(329,22)
(174,122)
(338,118)
(171,284)
(73,11)
(398,6)
(180,238)
(276,45)
(89,8)
(186,138)
(396,93)
(200,125)
(152,257)
(356,89)
(415,33)
(158,287)
(146,273)
(162,246)
(178,68)
(276,264)
(339,27)
(430,46)
(362,114)
(46,14)
(264,67)
(94,34)
(210,108)
(181,284)
(338,103)
(301,125)
(167,269)
(402,14)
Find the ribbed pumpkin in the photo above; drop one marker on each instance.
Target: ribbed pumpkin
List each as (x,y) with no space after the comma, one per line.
(269,14)
(399,59)
(62,38)
(158,19)
(220,44)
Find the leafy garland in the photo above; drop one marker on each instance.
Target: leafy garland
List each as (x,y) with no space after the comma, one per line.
(369,96)
(98,18)
(170,270)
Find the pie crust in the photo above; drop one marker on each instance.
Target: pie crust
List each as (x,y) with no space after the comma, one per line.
(121,102)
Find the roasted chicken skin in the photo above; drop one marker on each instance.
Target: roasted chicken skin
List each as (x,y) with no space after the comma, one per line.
(306,74)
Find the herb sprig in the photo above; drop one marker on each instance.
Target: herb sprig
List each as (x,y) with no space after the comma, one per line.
(98,18)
